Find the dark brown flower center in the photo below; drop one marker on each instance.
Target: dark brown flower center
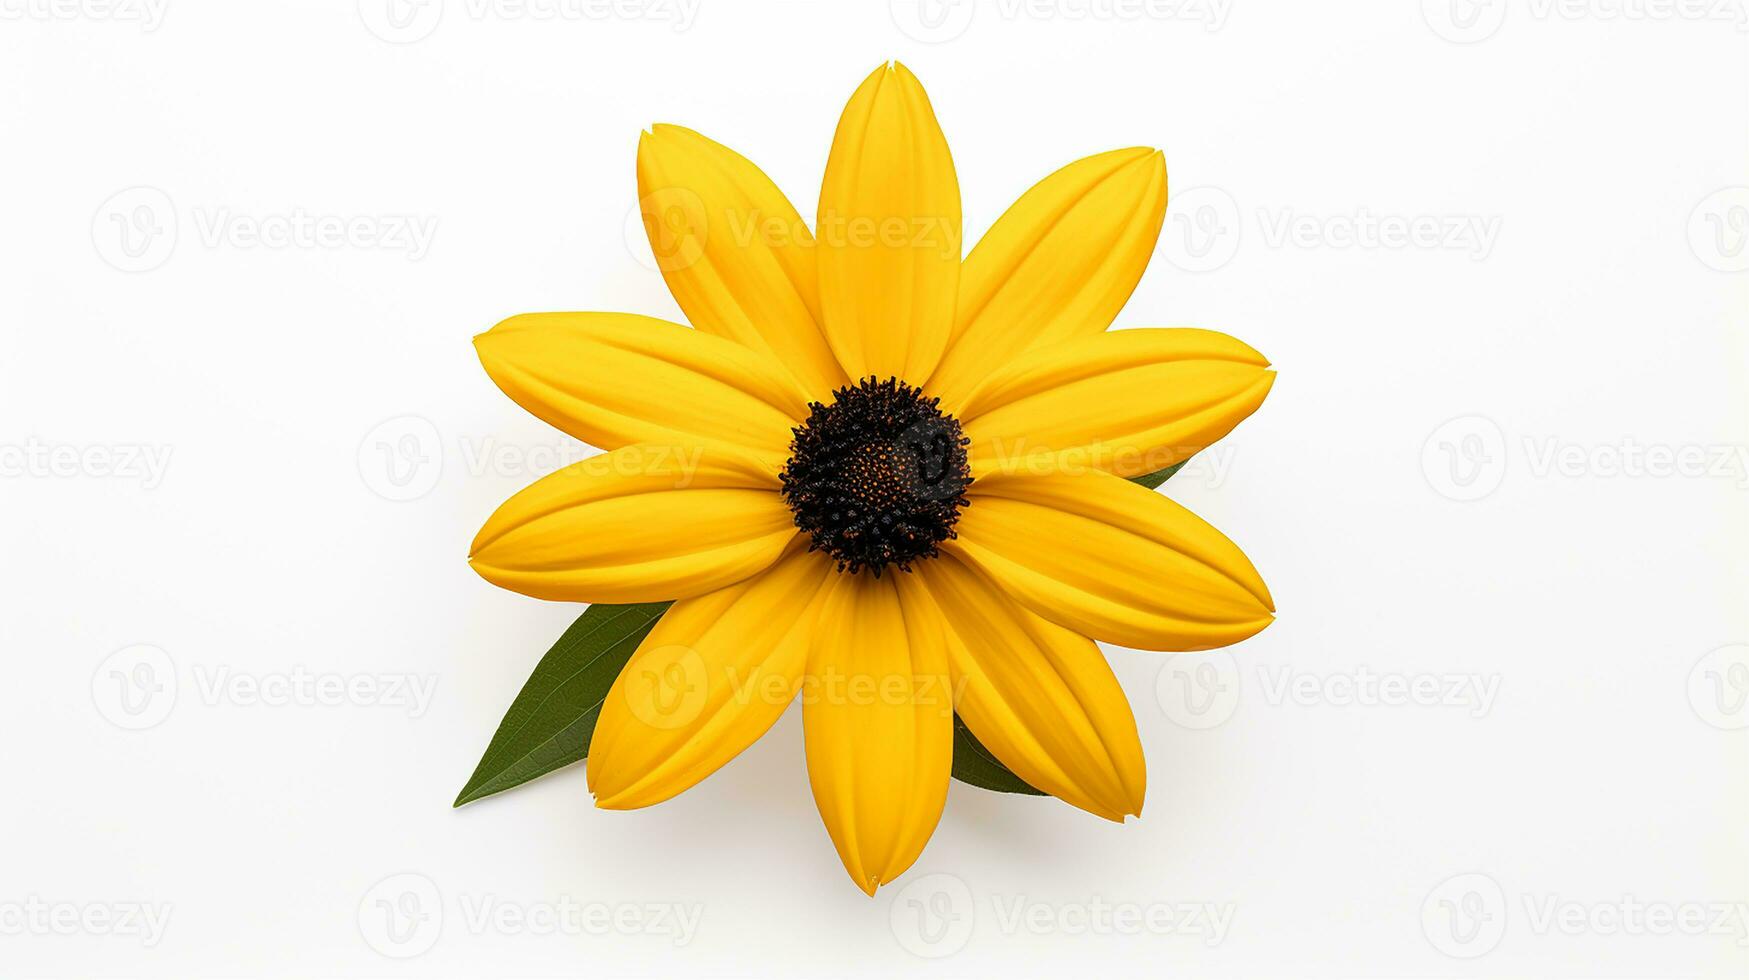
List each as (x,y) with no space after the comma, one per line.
(878,477)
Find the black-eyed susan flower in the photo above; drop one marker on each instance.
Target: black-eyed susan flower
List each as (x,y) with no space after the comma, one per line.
(880,475)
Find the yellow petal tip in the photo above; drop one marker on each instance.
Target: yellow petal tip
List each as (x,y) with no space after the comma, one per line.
(662,130)
(607,797)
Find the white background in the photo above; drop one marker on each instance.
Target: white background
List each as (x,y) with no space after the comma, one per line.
(1576,543)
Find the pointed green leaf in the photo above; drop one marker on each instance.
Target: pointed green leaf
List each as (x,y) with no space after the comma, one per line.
(550,722)
(1153,480)
(972,763)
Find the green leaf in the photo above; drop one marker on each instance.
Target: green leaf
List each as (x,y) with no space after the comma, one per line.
(972,763)
(1153,480)
(552,718)
(549,724)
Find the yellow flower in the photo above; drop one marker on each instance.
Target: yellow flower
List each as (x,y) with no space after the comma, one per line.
(880,476)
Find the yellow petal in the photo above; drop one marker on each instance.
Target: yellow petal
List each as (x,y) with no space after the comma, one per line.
(616,379)
(878,717)
(889,232)
(1058,264)
(735,253)
(1126,401)
(1041,698)
(713,675)
(640,524)
(1112,560)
